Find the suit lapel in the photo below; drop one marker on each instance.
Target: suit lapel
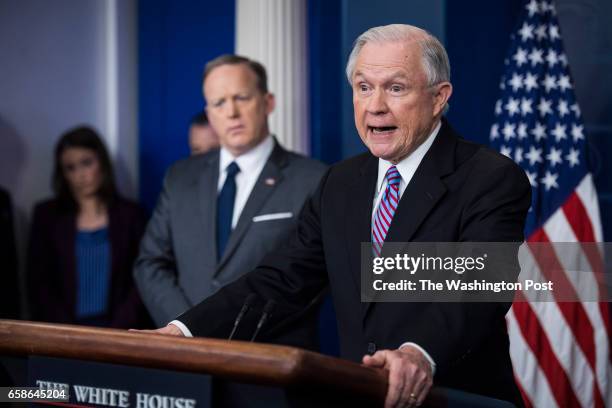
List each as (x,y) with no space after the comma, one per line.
(424,191)
(269,178)
(425,188)
(359,215)
(207,193)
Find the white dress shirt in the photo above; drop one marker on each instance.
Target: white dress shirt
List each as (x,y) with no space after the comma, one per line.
(251,164)
(406,168)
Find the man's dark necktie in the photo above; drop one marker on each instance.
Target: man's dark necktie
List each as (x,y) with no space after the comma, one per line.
(225,208)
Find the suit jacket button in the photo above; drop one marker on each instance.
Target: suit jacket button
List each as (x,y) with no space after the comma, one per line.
(371,348)
(216,284)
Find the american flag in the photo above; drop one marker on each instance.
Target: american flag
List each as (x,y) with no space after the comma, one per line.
(559,350)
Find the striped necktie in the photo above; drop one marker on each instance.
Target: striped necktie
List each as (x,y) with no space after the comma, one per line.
(386,210)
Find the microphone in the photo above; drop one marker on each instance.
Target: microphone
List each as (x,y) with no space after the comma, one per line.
(245,308)
(267,311)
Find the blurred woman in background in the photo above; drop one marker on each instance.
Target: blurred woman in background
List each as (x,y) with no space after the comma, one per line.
(83,242)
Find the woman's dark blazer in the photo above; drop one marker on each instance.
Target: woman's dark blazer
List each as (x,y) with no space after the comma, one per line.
(52,274)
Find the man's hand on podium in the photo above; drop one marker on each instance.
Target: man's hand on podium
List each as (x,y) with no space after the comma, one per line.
(169,330)
(410,375)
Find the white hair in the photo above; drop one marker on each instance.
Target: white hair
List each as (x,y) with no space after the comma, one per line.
(434,57)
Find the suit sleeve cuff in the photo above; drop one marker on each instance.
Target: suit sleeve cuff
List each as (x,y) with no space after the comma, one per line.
(186,332)
(422,350)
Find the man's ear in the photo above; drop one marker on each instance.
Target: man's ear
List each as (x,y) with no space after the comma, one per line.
(441,94)
(270,103)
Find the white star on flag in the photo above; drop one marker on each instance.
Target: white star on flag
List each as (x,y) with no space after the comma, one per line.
(516,82)
(539,131)
(498,107)
(534,155)
(526,106)
(549,82)
(532,8)
(526,32)
(562,108)
(512,106)
(518,155)
(553,32)
(559,132)
(531,81)
(554,157)
(535,56)
(552,58)
(520,57)
(494,131)
(564,83)
(540,32)
(544,107)
(577,132)
(508,131)
(550,180)
(572,157)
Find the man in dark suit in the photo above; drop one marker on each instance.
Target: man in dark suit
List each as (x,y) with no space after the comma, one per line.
(200,238)
(10,301)
(419,182)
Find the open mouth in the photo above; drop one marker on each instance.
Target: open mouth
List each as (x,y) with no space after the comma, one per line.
(381,129)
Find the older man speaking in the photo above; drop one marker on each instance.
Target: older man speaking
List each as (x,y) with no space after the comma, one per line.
(419,182)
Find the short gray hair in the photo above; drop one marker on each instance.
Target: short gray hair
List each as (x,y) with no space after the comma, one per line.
(434,57)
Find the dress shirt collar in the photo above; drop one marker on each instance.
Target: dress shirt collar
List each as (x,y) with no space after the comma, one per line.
(408,166)
(250,161)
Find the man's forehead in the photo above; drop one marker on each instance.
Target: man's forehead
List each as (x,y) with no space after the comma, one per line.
(391,59)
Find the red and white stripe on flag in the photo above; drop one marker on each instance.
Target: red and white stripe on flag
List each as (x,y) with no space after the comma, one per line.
(561,350)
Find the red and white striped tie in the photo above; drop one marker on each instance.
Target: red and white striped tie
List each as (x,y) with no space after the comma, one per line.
(386,210)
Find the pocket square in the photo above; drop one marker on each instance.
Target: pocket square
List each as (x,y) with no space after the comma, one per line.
(274,216)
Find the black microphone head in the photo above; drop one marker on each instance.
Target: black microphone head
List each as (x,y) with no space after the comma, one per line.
(270,304)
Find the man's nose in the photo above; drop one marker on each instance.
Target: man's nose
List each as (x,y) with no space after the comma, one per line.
(377,102)
(232,111)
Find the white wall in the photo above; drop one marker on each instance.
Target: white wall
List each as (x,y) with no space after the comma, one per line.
(63,63)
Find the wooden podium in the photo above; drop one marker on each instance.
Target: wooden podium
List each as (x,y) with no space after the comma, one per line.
(311,379)
(316,379)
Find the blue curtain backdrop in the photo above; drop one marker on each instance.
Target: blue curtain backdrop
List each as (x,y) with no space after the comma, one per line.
(175,40)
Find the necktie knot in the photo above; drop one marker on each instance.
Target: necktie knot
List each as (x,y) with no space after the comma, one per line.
(393,177)
(232,169)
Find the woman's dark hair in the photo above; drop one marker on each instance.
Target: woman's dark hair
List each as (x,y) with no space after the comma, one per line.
(86,138)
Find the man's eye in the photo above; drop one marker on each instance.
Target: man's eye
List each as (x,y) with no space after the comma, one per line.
(396,88)
(243,97)
(218,104)
(363,88)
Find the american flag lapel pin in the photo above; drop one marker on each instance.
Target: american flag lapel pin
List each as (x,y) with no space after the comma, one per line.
(270,181)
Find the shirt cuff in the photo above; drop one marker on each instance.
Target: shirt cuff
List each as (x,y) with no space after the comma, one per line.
(186,332)
(426,354)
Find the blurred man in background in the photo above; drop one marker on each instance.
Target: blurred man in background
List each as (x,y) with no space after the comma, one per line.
(219,213)
(202,137)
